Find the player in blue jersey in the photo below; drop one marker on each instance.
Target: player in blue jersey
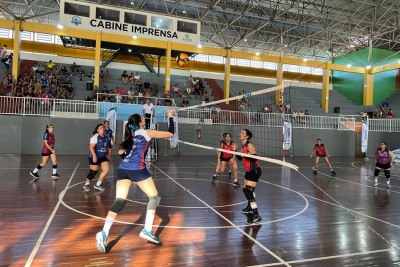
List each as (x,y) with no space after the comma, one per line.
(133,169)
(48,151)
(99,156)
(109,133)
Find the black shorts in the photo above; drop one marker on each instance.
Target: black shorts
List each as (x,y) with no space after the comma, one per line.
(225,159)
(321,156)
(253,175)
(383,166)
(133,175)
(99,161)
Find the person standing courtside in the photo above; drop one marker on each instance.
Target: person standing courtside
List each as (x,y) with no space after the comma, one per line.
(109,133)
(48,151)
(384,161)
(99,156)
(133,169)
(148,110)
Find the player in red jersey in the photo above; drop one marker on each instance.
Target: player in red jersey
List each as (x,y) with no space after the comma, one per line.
(321,152)
(253,174)
(227,158)
(48,151)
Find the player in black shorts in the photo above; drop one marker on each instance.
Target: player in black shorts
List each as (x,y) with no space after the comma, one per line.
(225,158)
(321,152)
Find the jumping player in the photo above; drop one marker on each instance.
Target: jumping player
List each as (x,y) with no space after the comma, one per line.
(321,152)
(224,158)
(133,169)
(48,151)
(384,160)
(99,156)
(253,174)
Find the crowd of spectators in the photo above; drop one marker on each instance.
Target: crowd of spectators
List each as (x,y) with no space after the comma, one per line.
(382,111)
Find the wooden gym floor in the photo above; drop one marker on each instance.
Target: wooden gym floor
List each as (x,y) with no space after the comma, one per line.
(307,220)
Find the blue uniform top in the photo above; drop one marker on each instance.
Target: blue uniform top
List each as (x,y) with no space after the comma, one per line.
(102,144)
(108,133)
(135,156)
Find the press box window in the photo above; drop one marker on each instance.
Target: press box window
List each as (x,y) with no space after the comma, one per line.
(184,26)
(161,23)
(137,19)
(107,14)
(76,10)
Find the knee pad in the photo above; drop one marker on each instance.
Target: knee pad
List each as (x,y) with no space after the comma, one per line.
(387,173)
(91,174)
(153,202)
(376,172)
(118,205)
(248,193)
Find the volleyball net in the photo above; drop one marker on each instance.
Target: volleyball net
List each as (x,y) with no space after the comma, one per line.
(201,127)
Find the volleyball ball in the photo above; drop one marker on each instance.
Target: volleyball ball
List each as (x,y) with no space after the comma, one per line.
(182,60)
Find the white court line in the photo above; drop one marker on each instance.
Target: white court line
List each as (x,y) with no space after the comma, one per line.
(227,220)
(39,241)
(324,258)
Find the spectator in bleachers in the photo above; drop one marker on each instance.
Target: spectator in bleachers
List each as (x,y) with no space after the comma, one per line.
(75,69)
(3,51)
(118,98)
(139,87)
(131,78)
(38,90)
(385,104)
(57,70)
(106,99)
(185,101)
(64,71)
(44,81)
(206,97)
(7,60)
(107,77)
(136,77)
(50,67)
(154,89)
(147,85)
(167,100)
(40,69)
(102,75)
(301,116)
(125,77)
(288,108)
(131,95)
(34,69)
(390,113)
(69,91)
(364,115)
(176,91)
(122,91)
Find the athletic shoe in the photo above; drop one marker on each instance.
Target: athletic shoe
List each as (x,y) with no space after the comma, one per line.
(34,175)
(315,172)
(333,173)
(247,210)
(255,220)
(388,186)
(55,176)
(236,183)
(375,184)
(101,239)
(214,177)
(149,236)
(99,187)
(229,172)
(86,187)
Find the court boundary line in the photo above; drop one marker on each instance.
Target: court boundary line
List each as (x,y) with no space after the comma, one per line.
(49,221)
(227,220)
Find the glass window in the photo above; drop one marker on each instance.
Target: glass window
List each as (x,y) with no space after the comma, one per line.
(233,61)
(184,26)
(107,14)
(293,68)
(76,10)
(201,57)
(133,18)
(28,36)
(161,23)
(305,70)
(44,38)
(270,66)
(256,64)
(317,71)
(216,59)
(243,62)
(5,33)
(57,40)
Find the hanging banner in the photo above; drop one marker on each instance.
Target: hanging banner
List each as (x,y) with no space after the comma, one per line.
(112,118)
(364,137)
(173,143)
(287,135)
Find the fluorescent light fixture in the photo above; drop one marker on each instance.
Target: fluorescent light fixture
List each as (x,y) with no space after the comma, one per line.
(257,53)
(368,67)
(60,27)
(348,65)
(199,46)
(305,60)
(134,36)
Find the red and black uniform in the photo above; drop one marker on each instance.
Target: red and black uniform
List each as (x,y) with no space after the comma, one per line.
(50,141)
(320,150)
(225,156)
(253,170)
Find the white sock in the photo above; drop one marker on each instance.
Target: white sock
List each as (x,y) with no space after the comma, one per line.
(35,170)
(149,220)
(376,180)
(388,181)
(107,225)
(98,183)
(87,183)
(253,205)
(54,171)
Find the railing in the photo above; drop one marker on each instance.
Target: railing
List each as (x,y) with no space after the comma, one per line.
(384,125)
(138,99)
